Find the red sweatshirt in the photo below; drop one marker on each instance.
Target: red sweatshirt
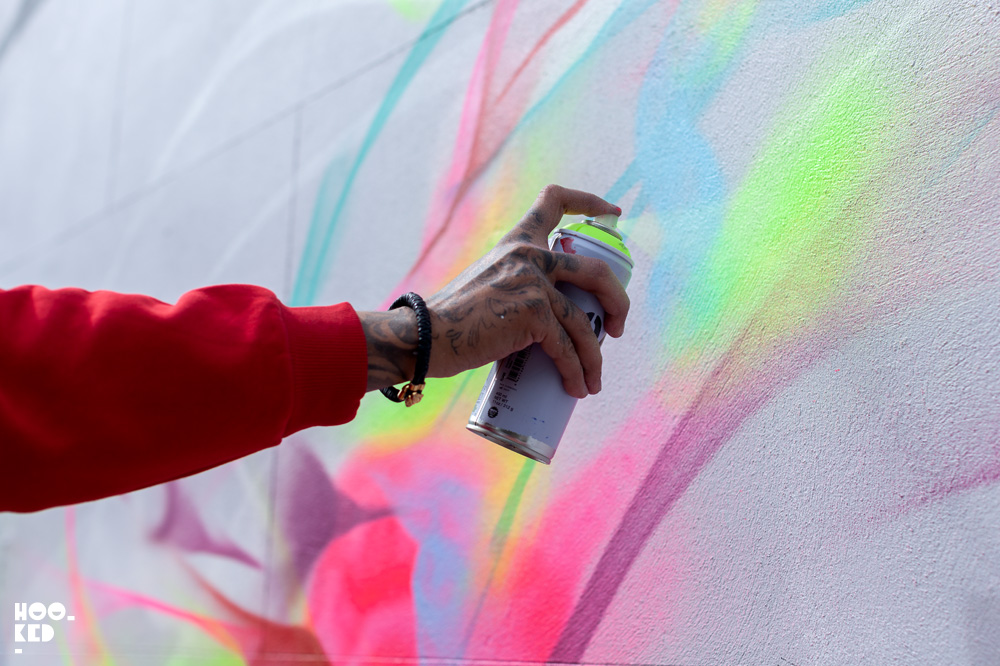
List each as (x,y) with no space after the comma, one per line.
(103,393)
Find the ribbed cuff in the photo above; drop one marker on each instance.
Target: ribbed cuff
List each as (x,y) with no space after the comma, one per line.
(329,365)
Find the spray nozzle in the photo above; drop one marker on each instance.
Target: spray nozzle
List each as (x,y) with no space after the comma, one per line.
(608,223)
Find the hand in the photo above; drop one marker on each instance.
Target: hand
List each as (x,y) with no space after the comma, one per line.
(506,301)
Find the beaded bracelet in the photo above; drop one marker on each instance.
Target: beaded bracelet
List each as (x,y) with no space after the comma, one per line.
(412,393)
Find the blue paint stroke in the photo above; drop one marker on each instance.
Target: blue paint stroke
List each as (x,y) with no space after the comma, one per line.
(682,182)
(619,19)
(439,578)
(321,231)
(625,182)
(963,146)
(831,9)
(20,22)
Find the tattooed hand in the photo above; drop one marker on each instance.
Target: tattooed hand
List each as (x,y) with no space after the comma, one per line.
(505,302)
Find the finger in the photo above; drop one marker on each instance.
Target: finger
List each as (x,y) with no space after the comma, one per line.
(581,332)
(552,203)
(556,342)
(595,276)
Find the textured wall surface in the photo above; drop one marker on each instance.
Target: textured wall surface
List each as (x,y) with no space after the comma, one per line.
(796,455)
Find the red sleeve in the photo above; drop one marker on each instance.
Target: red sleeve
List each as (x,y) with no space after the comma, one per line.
(103,393)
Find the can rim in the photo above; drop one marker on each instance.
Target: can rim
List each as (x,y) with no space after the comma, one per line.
(572,232)
(527,446)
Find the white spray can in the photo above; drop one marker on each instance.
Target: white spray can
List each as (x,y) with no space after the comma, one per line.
(523,405)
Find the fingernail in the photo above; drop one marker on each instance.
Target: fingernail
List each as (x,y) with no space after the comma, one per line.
(619,210)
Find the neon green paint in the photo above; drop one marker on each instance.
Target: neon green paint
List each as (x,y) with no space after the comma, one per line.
(218,657)
(498,540)
(64,651)
(601,236)
(415,10)
(510,507)
(794,227)
(407,425)
(725,25)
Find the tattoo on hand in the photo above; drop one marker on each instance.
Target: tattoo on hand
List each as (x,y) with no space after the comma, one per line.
(514,283)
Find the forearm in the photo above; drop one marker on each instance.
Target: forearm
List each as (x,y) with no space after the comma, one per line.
(103,393)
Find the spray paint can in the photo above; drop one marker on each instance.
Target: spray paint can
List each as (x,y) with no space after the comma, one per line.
(523,406)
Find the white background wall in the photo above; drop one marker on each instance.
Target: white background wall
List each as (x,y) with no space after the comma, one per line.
(796,455)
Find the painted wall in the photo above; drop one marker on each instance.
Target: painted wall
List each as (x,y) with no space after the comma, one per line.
(796,455)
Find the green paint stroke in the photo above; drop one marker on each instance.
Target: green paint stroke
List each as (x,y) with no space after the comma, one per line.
(510,507)
(414,10)
(211,657)
(724,29)
(499,541)
(411,426)
(799,221)
(65,652)
(321,228)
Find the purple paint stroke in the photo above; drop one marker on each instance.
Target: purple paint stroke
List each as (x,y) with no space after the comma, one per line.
(181,527)
(732,393)
(727,398)
(985,475)
(312,512)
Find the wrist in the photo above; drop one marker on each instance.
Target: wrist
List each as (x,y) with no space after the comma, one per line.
(391,339)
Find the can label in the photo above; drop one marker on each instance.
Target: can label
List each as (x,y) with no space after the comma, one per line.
(523,405)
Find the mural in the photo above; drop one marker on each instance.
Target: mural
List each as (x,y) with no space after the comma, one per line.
(796,455)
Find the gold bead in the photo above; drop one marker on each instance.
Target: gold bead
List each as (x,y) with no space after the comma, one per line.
(412,394)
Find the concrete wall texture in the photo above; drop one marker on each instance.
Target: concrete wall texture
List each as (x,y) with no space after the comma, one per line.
(796,455)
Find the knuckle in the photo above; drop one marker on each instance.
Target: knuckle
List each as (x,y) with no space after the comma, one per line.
(570,310)
(515,236)
(551,190)
(567,262)
(538,257)
(519,251)
(525,337)
(535,253)
(575,315)
(538,333)
(516,258)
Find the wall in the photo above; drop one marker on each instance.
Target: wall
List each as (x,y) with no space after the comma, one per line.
(796,455)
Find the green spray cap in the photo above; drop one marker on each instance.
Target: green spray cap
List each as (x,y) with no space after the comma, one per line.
(603,228)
